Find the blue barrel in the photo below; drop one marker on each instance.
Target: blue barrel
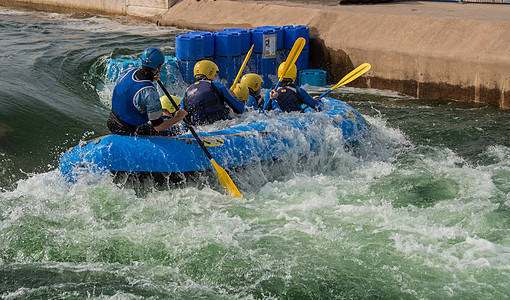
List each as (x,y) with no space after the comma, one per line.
(313,77)
(228,65)
(208,43)
(186,69)
(189,46)
(257,38)
(245,38)
(279,34)
(292,33)
(264,65)
(302,61)
(227,43)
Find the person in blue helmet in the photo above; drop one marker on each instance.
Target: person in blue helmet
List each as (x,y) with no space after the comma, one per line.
(207,100)
(136,108)
(289,97)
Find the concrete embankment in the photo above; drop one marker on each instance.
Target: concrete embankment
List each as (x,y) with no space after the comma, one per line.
(423,49)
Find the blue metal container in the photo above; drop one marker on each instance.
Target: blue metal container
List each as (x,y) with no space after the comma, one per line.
(208,43)
(279,34)
(189,46)
(292,33)
(245,38)
(313,77)
(227,43)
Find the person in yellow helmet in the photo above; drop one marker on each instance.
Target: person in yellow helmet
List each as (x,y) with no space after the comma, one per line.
(207,100)
(167,106)
(289,97)
(242,92)
(169,112)
(254,83)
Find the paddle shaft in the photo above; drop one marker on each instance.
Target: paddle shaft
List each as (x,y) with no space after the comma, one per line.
(186,121)
(242,68)
(360,70)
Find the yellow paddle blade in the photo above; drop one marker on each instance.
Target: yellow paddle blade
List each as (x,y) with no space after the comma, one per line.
(362,69)
(298,46)
(225,180)
(242,67)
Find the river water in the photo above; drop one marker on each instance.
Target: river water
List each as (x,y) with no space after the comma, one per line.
(423,213)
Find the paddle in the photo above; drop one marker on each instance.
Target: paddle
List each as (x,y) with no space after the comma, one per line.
(298,46)
(225,180)
(362,69)
(242,68)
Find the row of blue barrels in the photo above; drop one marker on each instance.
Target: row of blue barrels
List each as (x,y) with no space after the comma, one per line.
(114,68)
(228,48)
(168,75)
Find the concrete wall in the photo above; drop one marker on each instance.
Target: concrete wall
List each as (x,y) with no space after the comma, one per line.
(465,59)
(438,58)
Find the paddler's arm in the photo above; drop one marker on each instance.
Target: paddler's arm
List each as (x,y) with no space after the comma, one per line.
(312,102)
(148,100)
(236,105)
(267,101)
(178,116)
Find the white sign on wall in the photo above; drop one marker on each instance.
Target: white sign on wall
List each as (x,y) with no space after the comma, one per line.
(269,47)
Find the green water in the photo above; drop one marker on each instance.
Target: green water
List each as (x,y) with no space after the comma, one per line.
(421,211)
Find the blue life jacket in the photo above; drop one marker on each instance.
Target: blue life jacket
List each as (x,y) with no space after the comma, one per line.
(203,101)
(289,99)
(123,100)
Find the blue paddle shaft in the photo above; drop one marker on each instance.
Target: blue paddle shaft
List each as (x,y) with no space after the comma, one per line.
(324,95)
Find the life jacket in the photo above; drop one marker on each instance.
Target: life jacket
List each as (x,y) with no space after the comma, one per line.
(123,99)
(204,103)
(289,99)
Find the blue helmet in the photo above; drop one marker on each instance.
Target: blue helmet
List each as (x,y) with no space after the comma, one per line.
(152,58)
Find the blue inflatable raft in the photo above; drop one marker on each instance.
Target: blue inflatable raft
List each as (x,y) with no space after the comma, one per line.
(252,141)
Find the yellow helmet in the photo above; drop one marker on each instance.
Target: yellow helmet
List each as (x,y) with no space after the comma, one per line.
(252,81)
(206,68)
(291,72)
(241,91)
(166,104)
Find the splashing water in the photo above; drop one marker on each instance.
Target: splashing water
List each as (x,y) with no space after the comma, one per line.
(419,210)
